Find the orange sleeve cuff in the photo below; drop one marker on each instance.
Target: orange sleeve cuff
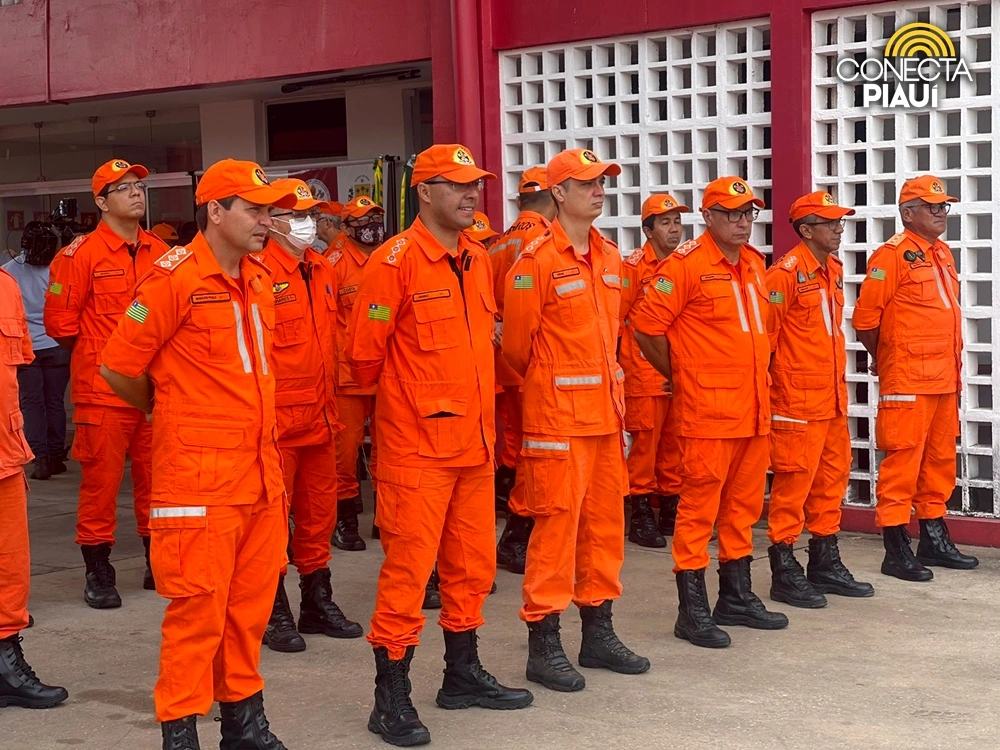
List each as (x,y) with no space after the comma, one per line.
(365,374)
(865,320)
(124,358)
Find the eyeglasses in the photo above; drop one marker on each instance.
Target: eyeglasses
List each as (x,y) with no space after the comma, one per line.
(937,209)
(127,187)
(734,217)
(364,221)
(459,187)
(830,224)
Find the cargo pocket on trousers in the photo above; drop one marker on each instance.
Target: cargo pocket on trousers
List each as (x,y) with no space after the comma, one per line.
(180,551)
(896,423)
(546,463)
(393,482)
(788,444)
(88,436)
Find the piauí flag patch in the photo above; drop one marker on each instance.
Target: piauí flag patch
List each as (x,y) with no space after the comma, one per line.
(878,274)
(55,288)
(137,311)
(776,298)
(524,282)
(378,312)
(664,285)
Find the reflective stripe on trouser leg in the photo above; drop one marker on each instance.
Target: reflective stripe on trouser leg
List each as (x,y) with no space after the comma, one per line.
(313,503)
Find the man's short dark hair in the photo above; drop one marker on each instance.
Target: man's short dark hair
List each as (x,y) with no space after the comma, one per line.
(650,222)
(798,224)
(201,214)
(538,199)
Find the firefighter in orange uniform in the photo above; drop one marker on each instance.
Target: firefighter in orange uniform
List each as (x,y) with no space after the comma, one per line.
(362,222)
(194,350)
(423,328)
(537,210)
(909,318)
(91,283)
(810,442)
(19,686)
(560,332)
(655,453)
(703,326)
(304,358)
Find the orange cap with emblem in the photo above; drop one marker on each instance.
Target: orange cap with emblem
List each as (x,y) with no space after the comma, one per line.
(926,188)
(820,204)
(245,179)
(359,206)
(303,195)
(661,203)
(533,180)
(165,232)
(452,161)
(578,164)
(729,192)
(481,230)
(113,171)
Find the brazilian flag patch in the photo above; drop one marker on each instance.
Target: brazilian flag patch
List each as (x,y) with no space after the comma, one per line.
(137,311)
(378,312)
(664,285)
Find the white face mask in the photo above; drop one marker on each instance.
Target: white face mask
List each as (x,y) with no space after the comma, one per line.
(302,232)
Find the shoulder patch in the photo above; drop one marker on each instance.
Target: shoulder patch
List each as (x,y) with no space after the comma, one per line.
(635,258)
(530,248)
(334,258)
(896,239)
(172,258)
(686,248)
(71,249)
(789,263)
(397,250)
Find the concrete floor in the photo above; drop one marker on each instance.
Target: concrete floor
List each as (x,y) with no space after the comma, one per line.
(913,668)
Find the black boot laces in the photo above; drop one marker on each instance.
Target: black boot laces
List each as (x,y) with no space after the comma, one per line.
(399,689)
(647,523)
(349,523)
(553,653)
(944,540)
(836,564)
(281,615)
(752,600)
(104,574)
(605,634)
(699,610)
(326,602)
(794,573)
(21,667)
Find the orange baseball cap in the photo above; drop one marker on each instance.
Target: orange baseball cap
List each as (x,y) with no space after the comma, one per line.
(245,179)
(729,192)
(331,208)
(113,171)
(661,203)
(452,161)
(165,232)
(303,195)
(578,164)
(533,180)
(359,206)
(821,204)
(481,230)
(927,188)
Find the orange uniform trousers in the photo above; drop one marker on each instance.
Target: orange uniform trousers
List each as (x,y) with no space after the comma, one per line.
(722,483)
(427,514)
(104,434)
(219,570)
(510,402)
(15,555)
(312,493)
(811,465)
(655,453)
(352,411)
(918,471)
(573,490)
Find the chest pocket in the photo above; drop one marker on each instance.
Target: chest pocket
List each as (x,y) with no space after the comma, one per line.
(919,285)
(290,325)
(576,308)
(722,302)
(111,294)
(216,325)
(12,331)
(437,324)
(346,296)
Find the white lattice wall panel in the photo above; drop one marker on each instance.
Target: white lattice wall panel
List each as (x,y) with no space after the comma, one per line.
(676,110)
(863,156)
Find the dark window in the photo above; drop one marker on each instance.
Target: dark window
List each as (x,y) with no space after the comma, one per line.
(315,129)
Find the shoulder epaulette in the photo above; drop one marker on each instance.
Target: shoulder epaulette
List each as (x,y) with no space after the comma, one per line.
(610,243)
(685,248)
(635,258)
(396,250)
(788,263)
(71,249)
(530,248)
(758,252)
(896,239)
(172,258)
(334,258)
(835,258)
(259,260)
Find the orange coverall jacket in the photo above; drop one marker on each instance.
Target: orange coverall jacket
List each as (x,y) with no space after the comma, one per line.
(911,294)
(641,378)
(348,261)
(91,284)
(205,341)
(423,327)
(712,314)
(15,350)
(304,354)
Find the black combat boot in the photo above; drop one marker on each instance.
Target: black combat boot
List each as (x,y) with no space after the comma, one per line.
(148,582)
(936,548)
(547,662)
(43,468)
(432,594)
(899,561)
(345,535)
(512,551)
(19,686)
(100,592)
(467,683)
(57,464)
(788,580)
(375,532)
(668,514)
(642,528)
(245,727)
(601,648)
(738,604)
(503,483)
(280,634)
(827,572)
(318,614)
(181,734)
(694,617)
(394,718)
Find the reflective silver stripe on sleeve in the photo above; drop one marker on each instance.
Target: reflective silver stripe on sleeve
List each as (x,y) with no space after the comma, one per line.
(570,287)
(190,512)
(739,306)
(241,342)
(580,380)
(895,397)
(779,418)
(260,335)
(610,278)
(756,309)
(546,445)
(941,291)
(827,320)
